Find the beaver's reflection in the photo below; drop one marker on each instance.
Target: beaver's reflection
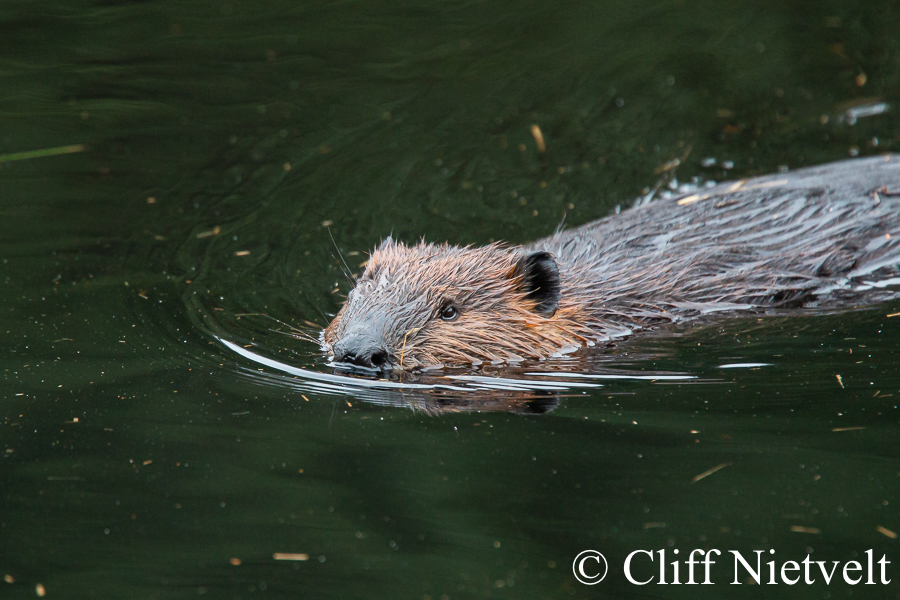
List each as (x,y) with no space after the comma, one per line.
(536,402)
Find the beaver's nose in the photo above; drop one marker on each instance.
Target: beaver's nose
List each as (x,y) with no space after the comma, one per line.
(373,359)
(360,350)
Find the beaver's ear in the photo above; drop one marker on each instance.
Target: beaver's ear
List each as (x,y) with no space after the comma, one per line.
(540,278)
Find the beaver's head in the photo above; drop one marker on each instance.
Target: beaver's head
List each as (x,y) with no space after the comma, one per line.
(437,305)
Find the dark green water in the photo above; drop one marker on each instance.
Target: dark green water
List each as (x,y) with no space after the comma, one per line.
(214,139)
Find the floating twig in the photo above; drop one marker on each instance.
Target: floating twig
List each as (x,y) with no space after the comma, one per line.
(709,472)
(28,154)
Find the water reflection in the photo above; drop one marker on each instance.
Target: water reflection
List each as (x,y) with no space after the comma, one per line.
(516,390)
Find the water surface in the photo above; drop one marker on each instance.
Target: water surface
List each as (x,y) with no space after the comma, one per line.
(211,161)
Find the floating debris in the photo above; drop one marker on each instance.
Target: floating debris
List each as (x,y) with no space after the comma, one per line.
(709,472)
(887,532)
(802,529)
(211,232)
(840,382)
(672,164)
(42,153)
(865,109)
(538,138)
(290,556)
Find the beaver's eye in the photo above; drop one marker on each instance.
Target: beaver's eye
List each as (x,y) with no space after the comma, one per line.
(449,312)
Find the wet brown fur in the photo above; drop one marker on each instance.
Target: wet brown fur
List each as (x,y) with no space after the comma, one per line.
(781,240)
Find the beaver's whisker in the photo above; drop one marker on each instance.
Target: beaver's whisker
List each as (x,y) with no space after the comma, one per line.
(297,335)
(293,331)
(403,349)
(347,272)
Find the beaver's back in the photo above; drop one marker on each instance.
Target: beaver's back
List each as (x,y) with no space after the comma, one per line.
(810,235)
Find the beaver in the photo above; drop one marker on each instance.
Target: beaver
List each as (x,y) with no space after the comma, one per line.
(814,236)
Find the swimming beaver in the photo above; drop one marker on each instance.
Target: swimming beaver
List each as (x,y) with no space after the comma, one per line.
(811,236)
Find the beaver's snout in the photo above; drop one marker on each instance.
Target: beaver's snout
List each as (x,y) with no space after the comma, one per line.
(361,349)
